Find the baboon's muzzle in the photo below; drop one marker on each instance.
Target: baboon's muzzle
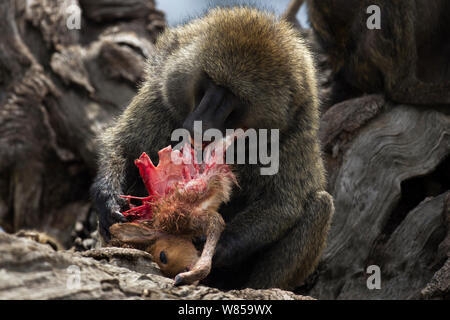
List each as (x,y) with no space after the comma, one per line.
(213,109)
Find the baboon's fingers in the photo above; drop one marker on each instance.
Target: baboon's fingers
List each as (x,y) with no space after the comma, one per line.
(108,219)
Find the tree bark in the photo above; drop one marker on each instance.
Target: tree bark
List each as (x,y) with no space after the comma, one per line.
(389,174)
(388,165)
(58,89)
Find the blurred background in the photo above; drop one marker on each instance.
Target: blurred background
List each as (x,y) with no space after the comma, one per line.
(177,11)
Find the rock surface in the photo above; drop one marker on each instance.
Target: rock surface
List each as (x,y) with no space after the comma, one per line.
(30,270)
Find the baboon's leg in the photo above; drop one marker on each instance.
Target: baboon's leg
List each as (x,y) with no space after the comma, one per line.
(288,262)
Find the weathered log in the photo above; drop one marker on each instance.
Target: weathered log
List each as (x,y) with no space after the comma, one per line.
(439,285)
(50,17)
(399,144)
(56,95)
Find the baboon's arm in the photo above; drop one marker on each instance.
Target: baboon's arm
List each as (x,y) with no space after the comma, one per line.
(145,126)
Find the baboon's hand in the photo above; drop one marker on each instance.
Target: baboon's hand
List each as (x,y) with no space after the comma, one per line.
(109,215)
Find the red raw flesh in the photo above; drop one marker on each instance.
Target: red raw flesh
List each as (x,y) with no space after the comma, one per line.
(168,175)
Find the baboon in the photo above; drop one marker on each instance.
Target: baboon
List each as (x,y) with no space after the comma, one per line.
(183,206)
(235,67)
(407,58)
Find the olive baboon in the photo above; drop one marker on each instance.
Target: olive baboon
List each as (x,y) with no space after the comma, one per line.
(233,68)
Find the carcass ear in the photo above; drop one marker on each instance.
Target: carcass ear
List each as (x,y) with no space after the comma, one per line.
(133,234)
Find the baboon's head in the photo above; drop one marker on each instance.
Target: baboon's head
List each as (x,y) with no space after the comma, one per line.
(237,68)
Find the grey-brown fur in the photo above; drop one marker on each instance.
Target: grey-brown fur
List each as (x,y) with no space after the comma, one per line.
(407,58)
(276,226)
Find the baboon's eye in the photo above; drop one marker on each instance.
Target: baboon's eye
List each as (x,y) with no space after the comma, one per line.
(163,257)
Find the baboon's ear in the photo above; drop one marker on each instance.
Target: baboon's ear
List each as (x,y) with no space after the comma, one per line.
(133,234)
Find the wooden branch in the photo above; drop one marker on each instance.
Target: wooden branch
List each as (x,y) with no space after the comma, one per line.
(290,14)
(111,10)
(56,95)
(401,143)
(340,124)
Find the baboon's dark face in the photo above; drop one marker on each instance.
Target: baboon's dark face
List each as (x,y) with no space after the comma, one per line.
(195,96)
(215,106)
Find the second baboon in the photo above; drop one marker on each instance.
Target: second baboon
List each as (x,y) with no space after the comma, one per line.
(407,58)
(233,68)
